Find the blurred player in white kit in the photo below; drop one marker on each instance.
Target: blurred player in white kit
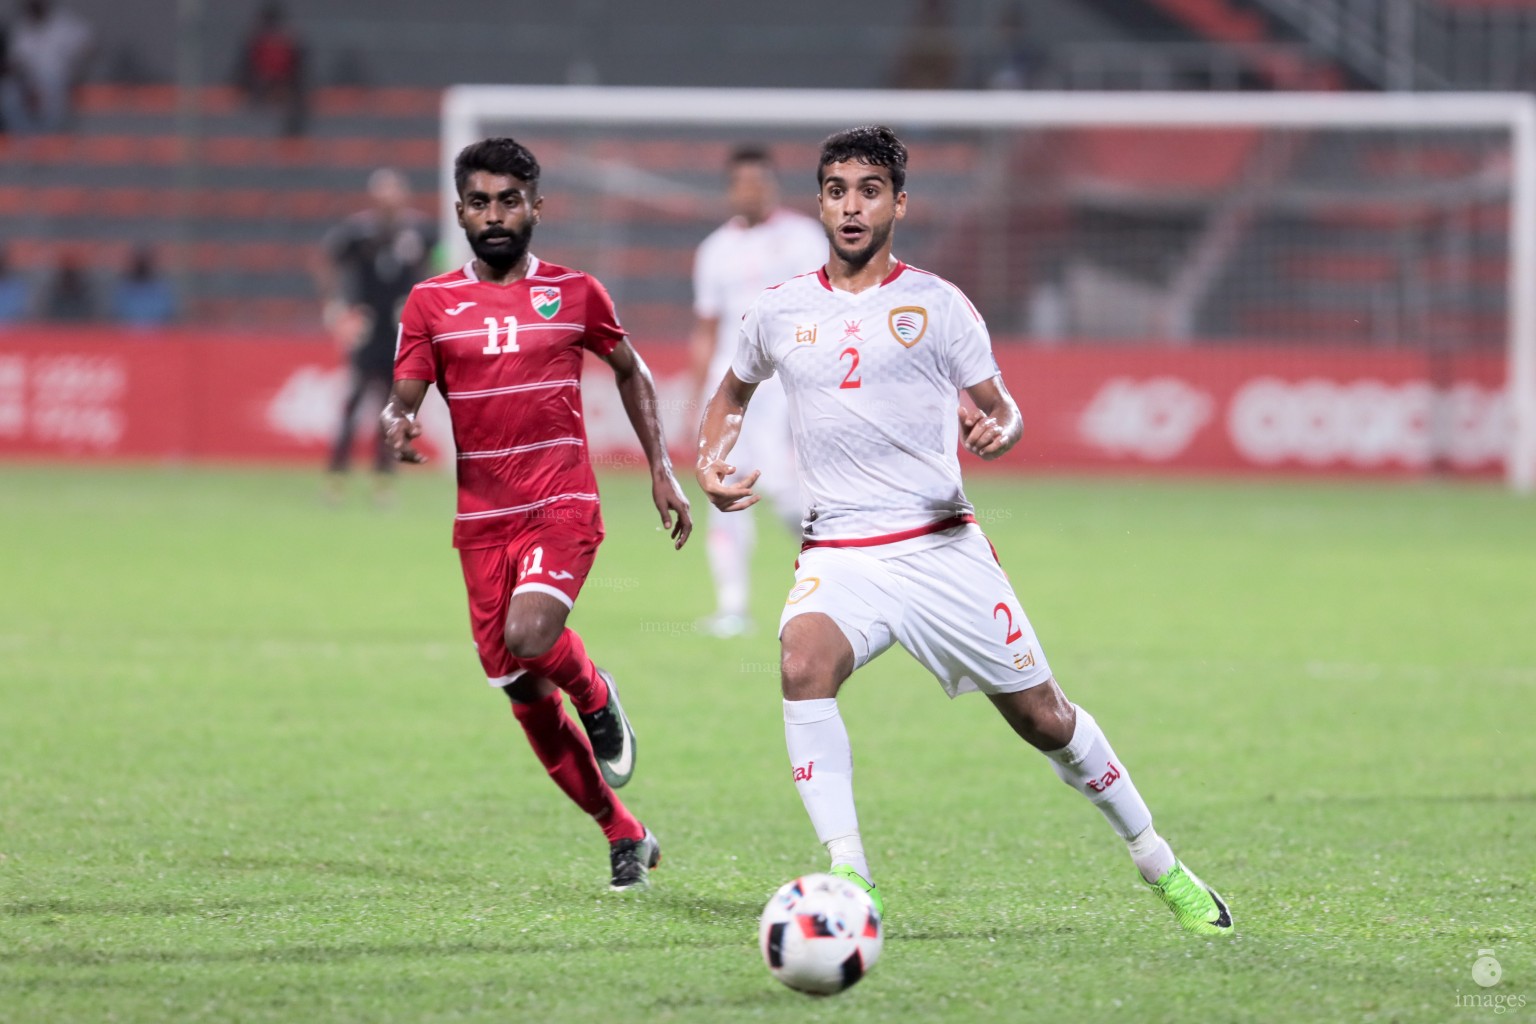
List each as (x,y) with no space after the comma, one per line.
(762,244)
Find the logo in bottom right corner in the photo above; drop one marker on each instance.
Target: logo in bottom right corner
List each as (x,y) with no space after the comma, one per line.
(1487,972)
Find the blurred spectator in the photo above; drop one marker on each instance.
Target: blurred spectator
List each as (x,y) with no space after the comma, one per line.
(13,292)
(142,298)
(1015,61)
(930,57)
(367,267)
(69,297)
(272,68)
(48,51)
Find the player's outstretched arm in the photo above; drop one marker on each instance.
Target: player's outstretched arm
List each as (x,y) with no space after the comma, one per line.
(997,427)
(399,419)
(718,432)
(638,391)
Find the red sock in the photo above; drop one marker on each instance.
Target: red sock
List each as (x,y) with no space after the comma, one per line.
(567,666)
(565,753)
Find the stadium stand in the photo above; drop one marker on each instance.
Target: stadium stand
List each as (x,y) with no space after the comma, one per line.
(1102,203)
(1288,254)
(244,217)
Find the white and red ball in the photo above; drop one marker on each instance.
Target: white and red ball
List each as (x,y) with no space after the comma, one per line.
(819,934)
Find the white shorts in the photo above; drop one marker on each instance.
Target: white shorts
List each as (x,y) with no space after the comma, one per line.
(950,605)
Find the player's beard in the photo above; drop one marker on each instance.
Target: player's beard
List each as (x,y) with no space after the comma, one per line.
(500,258)
(858,258)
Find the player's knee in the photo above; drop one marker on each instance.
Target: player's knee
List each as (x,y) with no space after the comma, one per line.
(803,676)
(810,673)
(530,638)
(1041,715)
(814,658)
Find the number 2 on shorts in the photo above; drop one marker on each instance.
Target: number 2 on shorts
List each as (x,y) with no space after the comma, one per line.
(1014,632)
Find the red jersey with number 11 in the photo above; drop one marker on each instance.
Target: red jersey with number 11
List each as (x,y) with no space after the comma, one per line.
(507,358)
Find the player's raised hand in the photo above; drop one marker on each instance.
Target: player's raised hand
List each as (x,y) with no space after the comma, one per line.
(669,498)
(982,435)
(727,497)
(400,429)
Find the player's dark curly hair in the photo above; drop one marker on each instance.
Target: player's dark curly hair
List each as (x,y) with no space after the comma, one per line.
(871,144)
(495,156)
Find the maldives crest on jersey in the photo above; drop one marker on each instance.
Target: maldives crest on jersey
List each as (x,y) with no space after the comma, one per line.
(546,300)
(908,324)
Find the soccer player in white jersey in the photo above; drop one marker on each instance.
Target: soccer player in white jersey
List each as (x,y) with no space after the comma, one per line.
(872,353)
(762,244)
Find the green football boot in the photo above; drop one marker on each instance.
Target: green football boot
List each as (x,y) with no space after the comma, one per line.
(1195,905)
(846,871)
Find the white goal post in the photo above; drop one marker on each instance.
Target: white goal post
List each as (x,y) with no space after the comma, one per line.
(470,111)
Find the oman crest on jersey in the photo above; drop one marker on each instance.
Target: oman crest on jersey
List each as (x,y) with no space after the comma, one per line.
(908,324)
(546,300)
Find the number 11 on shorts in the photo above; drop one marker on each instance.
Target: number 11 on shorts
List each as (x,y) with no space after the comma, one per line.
(533,562)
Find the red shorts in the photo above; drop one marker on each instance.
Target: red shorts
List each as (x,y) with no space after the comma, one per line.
(550,557)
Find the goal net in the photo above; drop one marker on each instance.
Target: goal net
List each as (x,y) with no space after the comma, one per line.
(1208,282)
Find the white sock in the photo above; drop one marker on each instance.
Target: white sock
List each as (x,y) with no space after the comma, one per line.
(1151,854)
(729,543)
(849,850)
(822,761)
(1089,765)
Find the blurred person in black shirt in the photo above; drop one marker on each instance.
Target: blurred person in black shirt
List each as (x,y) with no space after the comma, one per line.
(69,297)
(367,267)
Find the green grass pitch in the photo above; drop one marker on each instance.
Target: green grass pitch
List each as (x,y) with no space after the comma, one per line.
(250,771)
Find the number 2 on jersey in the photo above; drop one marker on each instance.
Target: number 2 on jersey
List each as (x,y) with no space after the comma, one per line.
(849,380)
(492,329)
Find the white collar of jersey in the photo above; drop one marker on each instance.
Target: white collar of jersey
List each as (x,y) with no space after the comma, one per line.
(533,268)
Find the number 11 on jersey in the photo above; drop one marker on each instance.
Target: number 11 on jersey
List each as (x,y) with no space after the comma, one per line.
(492,329)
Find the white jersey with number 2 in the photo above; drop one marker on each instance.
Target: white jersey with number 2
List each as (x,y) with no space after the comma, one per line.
(871,379)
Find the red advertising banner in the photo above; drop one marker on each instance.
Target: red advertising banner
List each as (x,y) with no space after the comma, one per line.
(169,395)
(1244,408)
(1237,408)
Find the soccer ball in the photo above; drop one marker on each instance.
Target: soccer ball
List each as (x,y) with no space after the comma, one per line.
(820,934)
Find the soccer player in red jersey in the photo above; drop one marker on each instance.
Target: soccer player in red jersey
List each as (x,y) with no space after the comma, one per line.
(503,338)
